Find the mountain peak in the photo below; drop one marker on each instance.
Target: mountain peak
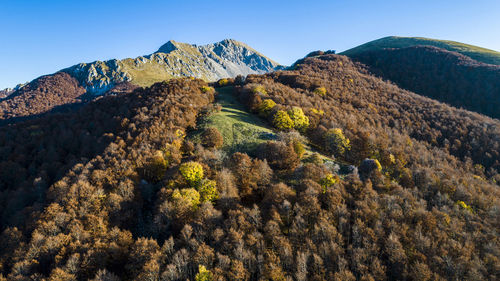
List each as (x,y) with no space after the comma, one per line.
(227,58)
(230,41)
(172,45)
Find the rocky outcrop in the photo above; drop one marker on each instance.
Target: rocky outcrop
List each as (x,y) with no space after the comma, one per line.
(99,77)
(5,92)
(211,62)
(8,91)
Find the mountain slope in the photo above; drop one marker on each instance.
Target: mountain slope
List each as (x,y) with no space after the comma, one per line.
(477,53)
(439,74)
(211,62)
(41,95)
(120,190)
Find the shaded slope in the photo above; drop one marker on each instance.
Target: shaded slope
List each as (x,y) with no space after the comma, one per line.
(439,74)
(474,52)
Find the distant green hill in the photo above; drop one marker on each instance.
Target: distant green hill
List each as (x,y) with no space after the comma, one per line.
(474,52)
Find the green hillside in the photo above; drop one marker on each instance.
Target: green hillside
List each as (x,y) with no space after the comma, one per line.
(474,52)
(239,128)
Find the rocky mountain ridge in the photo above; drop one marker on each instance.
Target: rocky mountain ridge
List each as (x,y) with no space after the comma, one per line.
(227,58)
(83,82)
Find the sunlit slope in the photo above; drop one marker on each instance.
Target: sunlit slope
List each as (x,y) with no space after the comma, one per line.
(478,53)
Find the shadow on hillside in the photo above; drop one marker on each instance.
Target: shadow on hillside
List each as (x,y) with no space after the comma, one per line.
(60,109)
(39,150)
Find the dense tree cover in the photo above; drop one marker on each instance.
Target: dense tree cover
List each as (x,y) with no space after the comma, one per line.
(440,74)
(41,95)
(55,93)
(421,150)
(73,185)
(356,100)
(145,202)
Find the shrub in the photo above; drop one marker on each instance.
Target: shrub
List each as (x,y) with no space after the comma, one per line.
(156,167)
(223,82)
(211,137)
(266,106)
(259,89)
(207,89)
(368,166)
(320,91)
(187,147)
(187,197)
(318,111)
(314,158)
(299,149)
(328,181)
(336,142)
(171,151)
(192,172)
(239,80)
(203,274)
(208,190)
(291,137)
(282,120)
(464,205)
(300,120)
(279,155)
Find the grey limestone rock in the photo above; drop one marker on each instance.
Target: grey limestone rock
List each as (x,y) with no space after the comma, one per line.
(226,59)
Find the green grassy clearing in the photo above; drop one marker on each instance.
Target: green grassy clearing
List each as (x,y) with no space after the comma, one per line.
(241,130)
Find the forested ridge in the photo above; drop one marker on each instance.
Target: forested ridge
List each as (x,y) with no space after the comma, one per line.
(44,94)
(360,180)
(446,76)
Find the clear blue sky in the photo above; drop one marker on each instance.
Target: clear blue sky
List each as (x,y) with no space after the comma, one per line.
(40,37)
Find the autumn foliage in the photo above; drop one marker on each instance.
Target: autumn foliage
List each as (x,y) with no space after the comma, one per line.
(120,189)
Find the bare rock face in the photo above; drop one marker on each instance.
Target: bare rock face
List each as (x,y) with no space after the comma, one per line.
(211,62)
(99,77)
